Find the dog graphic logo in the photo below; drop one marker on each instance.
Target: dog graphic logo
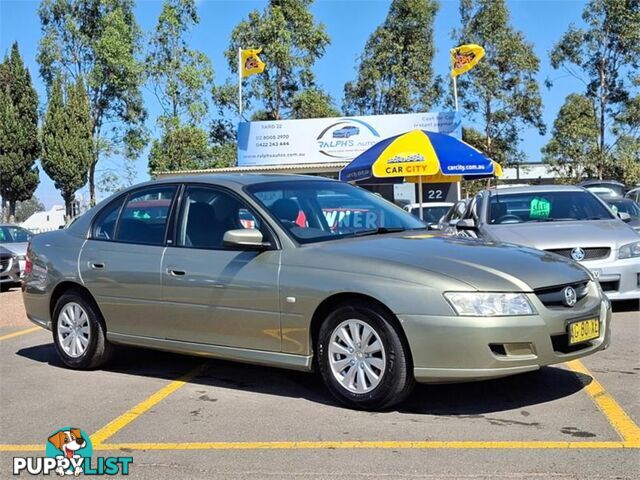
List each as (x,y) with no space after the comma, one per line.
(71,444)
(462,58)
(251,63)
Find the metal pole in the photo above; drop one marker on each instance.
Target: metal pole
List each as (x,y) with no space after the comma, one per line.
(420,195)
(455,103)
(240,82)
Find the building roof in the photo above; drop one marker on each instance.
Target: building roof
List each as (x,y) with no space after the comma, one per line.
(286,168)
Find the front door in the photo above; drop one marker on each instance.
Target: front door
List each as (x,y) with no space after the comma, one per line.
(216,295)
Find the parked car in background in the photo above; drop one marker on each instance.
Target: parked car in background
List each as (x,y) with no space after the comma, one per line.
(15,239)
(565,220)
(605,188)
(447,223)
(634,194)
(373,308)
(625,205)
(9,268)
(431,212)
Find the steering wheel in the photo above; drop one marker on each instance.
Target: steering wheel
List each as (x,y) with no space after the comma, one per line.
(509,218)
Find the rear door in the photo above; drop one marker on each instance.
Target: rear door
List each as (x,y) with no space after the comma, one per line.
(120,263)
(216,295)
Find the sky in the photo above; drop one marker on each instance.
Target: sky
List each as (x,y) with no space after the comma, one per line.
(349,24)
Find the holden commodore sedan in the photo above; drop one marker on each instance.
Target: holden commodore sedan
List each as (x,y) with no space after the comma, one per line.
(249,268)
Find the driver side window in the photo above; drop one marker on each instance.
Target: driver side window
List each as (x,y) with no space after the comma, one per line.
(207,213)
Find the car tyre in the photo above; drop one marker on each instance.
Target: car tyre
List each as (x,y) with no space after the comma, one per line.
(395,371)
(75,314)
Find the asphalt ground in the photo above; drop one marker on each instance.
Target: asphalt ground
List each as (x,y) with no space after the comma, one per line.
(186,417)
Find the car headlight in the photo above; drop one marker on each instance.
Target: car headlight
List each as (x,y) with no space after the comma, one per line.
(480,304)
(629,250)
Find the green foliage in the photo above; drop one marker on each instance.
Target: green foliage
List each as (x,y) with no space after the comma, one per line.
(67,139)
(98,41)
(395,73)
(181,147)
(313,103)
(27,208)
(181,77)
(19,144)
(573,150)
(291,43)
(501,93)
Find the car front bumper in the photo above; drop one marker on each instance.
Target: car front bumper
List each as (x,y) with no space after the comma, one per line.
(10,272)
(458,349)
(620,279)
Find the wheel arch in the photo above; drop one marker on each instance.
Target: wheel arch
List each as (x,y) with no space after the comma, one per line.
(336,300)
(67,286)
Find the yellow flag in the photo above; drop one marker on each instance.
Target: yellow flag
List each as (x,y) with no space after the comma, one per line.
(464,58)
(250,63)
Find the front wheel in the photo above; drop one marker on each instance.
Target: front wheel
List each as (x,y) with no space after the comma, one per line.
(362,358)
(78,332)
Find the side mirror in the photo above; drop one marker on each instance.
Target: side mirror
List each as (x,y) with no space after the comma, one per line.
(466,224)
(624,216)
(245,239)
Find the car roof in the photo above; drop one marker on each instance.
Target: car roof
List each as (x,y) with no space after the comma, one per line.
(588,183)
(238,178)
(430,204)
(536,188)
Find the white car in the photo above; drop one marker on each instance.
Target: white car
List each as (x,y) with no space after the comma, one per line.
(432,212)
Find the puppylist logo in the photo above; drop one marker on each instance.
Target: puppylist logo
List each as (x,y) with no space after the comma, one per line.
(69,452)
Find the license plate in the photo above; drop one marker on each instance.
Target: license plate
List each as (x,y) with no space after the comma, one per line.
(584,330)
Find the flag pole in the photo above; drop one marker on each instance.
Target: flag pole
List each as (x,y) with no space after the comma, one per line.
(455,104)
(240,82)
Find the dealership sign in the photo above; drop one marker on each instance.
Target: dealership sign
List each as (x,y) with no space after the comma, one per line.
(338,139)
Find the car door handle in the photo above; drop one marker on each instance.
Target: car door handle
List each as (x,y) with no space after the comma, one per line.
(96,265)
(176,273)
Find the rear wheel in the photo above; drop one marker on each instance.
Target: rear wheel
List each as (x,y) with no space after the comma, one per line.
(79,333)
(362,358)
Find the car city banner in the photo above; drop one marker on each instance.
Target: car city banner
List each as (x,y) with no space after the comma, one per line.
(326,140)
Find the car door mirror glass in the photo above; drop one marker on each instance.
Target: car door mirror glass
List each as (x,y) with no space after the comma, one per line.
(624,216)
(246,239)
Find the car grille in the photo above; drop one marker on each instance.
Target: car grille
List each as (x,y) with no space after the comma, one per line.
(554,296)
(5,263)
(592,253)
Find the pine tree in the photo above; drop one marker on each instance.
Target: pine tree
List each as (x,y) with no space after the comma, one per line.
(19,144)
(67,139)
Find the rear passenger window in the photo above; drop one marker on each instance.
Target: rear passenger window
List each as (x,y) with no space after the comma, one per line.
(105,224)
(144,216)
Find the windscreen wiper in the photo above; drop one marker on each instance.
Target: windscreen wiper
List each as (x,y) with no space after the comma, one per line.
(378,231)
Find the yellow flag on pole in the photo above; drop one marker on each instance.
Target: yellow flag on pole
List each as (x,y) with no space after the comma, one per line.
(250,63)
(464,58)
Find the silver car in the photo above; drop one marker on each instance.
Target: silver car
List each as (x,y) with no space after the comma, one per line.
(271,270)
(15,239)
(565,220)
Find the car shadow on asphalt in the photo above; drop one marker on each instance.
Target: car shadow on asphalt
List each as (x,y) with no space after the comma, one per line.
(475,398)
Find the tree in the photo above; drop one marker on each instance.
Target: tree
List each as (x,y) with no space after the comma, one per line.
(572,151)
(19,144)
(313,103)
(98,41)
(182,147)
(27,208)
(181,78)
(291,42)
(501,93)
(395,73)
(67,139)
(603,55)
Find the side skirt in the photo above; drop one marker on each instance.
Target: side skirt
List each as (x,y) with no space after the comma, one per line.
(257,357)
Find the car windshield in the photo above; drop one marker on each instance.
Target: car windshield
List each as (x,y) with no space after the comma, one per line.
(430,214)
(546,207)
(14,235)
(315,211)
(626,206)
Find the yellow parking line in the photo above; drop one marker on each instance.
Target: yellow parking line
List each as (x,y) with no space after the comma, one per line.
(615,415)
(129,416)
(19,332)
(329,445)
